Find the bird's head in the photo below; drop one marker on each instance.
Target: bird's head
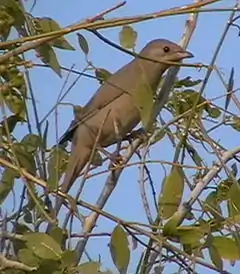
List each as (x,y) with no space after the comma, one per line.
(165,50)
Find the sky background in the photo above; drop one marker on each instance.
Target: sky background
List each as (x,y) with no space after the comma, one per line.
(125,202)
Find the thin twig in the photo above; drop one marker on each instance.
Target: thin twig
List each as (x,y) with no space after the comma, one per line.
(161,100)
(202,183)
(186,206)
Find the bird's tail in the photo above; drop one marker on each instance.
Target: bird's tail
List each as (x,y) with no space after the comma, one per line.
(77,161)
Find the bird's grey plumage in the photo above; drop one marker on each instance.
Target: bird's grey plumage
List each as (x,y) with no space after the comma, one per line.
(114,102)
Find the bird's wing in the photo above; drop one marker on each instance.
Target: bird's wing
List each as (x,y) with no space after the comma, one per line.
(110,90)
(68,134)
(107,93)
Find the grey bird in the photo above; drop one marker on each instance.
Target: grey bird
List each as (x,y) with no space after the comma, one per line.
(113,103)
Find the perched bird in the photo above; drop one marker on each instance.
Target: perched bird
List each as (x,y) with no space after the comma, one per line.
(113,102)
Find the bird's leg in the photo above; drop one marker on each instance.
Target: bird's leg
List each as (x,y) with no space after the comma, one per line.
(115,157)
(139,133)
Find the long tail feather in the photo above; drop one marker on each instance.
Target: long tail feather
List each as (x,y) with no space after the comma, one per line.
(77,161)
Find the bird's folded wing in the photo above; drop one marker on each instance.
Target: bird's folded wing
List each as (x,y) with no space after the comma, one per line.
(105,95)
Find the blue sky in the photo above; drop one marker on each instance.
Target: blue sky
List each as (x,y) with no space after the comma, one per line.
(125,202)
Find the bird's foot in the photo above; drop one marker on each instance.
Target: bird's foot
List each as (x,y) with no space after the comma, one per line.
(139,133)
(114,157)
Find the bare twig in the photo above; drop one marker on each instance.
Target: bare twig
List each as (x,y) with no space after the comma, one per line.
(161,100)
(157,239)
(92,23)
(142,183)
(183,209)
(202,183)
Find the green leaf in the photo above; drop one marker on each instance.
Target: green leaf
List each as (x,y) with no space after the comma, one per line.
(171,194)
(236,123)
(127,37)
(234,200)
(43,246)
(186,82)
(9,73)
(215,257)
(31,142)
(170,228)
(234,169)
(211,204)
(213,112)
(20,229)
(223,189)
(7,183)
(102,75)
(229,88)
(158,134)
(48,56)
(226,248)
(14,9)
(11,122)
(89,268)
(45,134)
(50,25)
(97,159)
(119,248)
(14,77)
(190,234)
(236,238)
(25,158)
(57,234)
(194,154)
(27,257)
(143,99)
(83,43)
(194,249)
(183,101)
(6,22)
(52,266)
(15,102)
(27,216)
(18,82)
(69,258)
(190,95)
(57,164)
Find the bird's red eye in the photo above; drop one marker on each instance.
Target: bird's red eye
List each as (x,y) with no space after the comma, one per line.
(166,49)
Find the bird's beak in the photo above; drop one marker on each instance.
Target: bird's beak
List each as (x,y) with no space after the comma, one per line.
(185,54)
